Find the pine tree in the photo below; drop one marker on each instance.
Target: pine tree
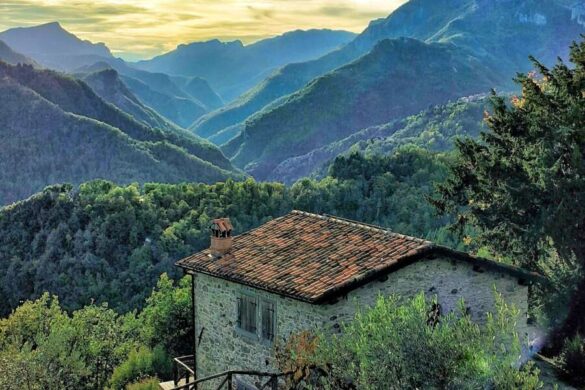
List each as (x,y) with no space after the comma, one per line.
(522,184)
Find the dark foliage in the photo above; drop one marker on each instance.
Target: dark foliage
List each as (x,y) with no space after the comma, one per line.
(523,184)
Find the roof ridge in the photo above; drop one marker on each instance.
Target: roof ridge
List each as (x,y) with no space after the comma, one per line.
(363,225)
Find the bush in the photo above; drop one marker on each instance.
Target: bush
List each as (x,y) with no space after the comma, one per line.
(147,384)
(397,345)
(141,363)
(573,359)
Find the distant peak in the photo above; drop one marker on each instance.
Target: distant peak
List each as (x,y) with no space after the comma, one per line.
(51,25)
(211,43)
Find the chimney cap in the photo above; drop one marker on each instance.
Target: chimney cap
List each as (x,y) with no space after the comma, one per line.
(221,224)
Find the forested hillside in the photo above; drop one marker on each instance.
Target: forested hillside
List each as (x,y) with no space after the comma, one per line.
(108,85)
(109,243)
(502,33)
(434,129)
(56,129)
(397,78)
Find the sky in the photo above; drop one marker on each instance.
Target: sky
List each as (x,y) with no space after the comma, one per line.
(144,28)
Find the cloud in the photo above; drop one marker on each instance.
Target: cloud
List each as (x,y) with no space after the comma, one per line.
(135,29)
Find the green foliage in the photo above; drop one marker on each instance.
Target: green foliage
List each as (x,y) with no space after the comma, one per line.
(140,364)
(47,349)
(147,384)
(573,360)
(108,243)
(397,345)
(56,129)
(167,318)
(523,184)
(384,190)
(43,347)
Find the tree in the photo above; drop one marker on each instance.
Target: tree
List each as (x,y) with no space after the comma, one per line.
(522,185)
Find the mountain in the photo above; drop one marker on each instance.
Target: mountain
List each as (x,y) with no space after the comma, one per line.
(56,129)
(503,33)
(200,90)
(233,68)
(108,85)
(155,90)
(54,47)
(11,57)
(433,129)
(397,78)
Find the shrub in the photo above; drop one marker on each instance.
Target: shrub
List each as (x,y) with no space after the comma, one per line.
(146,384)
(141,363)
(573,359)
(396,345)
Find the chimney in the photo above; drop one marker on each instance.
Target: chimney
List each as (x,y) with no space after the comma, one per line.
(221,237)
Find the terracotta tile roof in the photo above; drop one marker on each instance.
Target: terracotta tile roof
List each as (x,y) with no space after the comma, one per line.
(311,257)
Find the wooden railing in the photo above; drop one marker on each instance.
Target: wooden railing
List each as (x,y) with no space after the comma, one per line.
(183,371)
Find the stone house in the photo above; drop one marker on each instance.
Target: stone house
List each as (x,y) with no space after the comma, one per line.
(304,271)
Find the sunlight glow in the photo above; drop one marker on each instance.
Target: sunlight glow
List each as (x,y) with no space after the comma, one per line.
(139,29)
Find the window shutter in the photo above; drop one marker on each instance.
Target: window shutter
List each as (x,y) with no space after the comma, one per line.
(268,321)
(240,312)
(247,313)
(252,316)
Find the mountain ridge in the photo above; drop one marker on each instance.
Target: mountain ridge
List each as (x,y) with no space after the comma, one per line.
(56,129)
(385,84)
(506,30)
(232,67)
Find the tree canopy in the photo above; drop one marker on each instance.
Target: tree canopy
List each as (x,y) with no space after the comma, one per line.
(522,184)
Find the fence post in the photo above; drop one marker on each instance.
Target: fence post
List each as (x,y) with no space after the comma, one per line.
(175,373)
(229,382)
(274,382)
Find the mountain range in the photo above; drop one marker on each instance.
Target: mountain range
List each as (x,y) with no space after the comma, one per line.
(232,67)
(399,77)
(11,57)
(312,95)
(500,35)
(56,129)
(54,47)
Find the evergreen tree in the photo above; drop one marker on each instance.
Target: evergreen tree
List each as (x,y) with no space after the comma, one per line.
(523,183)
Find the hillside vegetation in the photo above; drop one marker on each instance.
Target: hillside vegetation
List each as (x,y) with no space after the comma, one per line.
(398,78)
(434,129)
(500,33)
(56,129)
(108,85)
(109,243)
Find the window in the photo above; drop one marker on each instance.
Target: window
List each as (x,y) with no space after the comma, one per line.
(247,314)
(268,320)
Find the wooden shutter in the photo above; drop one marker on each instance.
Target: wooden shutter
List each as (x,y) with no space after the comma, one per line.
(240,312)
(247,313)
(251,315)
(268,321)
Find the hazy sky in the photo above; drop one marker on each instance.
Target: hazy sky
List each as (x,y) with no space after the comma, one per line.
(133,29)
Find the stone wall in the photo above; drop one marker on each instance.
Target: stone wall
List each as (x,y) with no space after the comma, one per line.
(223,347)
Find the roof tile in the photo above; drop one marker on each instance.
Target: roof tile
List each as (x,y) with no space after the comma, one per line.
(305,255)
